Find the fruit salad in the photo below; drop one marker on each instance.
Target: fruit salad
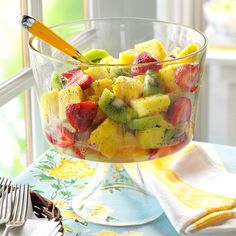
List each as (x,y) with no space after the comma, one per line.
(136,107)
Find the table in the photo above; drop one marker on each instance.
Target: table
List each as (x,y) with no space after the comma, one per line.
(59,178)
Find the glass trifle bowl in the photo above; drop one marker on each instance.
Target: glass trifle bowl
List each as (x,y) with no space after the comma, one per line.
(136,101)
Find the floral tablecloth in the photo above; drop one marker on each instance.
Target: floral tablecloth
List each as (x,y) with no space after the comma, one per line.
(59,178)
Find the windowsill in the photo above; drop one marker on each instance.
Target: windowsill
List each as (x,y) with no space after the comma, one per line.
(221,54)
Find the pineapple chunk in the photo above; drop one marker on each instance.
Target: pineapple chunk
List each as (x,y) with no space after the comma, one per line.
(154,47)
(98,86)
(150,105)
(162,122)
(106,60)
(97,72)
(190,48)
(68,96)
(167,75)
(175,52)
(151,138)
(127,57)
(115,61)
(92,98)
(131,154)
(140,78)
(130,140)
(168,58)
(49,105)
(165,64)
(108,138)
(127,88)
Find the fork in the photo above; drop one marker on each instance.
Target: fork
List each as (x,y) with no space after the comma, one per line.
(3,182)
(20,207)
(56,232)
(6,192)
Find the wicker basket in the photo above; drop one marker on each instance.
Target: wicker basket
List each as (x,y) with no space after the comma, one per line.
(44,208)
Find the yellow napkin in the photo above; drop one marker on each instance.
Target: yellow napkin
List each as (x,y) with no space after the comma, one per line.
(194,189)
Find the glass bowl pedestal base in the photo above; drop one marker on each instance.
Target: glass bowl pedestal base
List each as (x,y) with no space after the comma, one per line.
(113,198)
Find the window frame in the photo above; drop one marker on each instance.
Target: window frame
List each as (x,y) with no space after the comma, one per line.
(23,81)
(35,142)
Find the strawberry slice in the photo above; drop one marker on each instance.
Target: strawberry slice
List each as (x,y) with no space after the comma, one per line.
(60,136)
(49,138)
(78,153)
(69,73)
(186,77)
(180,110)
(144,57)
(65,138)
(78,77)
(81,115)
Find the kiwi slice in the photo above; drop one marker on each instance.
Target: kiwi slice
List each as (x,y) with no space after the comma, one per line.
(169,134)
(118,71)
(96,55)
(152,84)
(57,82)
(143,123)
(115,108)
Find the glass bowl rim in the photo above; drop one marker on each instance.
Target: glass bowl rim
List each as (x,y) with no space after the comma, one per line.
(201,49)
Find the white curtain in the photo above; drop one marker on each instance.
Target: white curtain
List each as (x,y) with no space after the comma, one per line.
(187,12)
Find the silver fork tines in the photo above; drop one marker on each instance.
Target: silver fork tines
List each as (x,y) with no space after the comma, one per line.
(56,232)
(6,193)
(20,207)
(3,183)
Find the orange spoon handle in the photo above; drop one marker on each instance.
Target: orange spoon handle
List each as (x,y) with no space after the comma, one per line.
(46,34)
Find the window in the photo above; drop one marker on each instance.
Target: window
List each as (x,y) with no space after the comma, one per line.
(12,117)
(19,111)
(12,139)
(57,12)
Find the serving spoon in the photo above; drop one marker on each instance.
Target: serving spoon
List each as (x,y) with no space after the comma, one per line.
(38,29)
